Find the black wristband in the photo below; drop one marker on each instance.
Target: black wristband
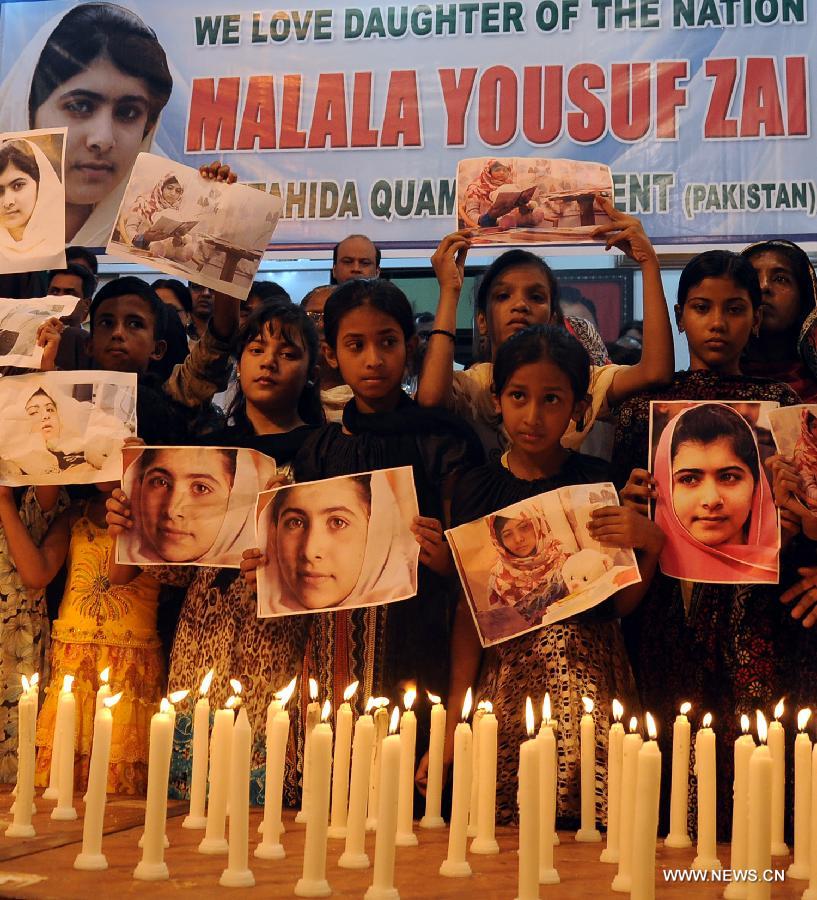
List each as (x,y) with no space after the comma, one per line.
(449,334)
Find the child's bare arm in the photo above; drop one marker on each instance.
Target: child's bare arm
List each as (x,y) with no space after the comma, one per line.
(35,565)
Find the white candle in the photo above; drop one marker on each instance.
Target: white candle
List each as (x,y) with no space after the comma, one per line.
(21,826)
(588,832)
(152,866)
(66,726)
(52,791)
(104,688)
(91,856)
(485,841)
(547,795)
(455,865)
(801,867)
(196,818)
(313,715)
(759,855)
(629,771)
(528,798)
(277,737)
(777,749)
(221,741)
(354,854)
(340,765)
(405,836)
(312,882)
(473,808)
(382,886)
(238,873)
(679,797)
(811,891)
(434,784)
(615,750)
(705,769)
(744,748)
(381,728)
(645,818)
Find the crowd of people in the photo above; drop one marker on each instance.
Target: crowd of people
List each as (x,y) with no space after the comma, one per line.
(319,384)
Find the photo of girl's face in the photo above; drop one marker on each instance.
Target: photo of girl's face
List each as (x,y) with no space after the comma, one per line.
(172,191)
(42,413)
(18,197)
(183,501)
(320,542)
(712,491)
(518,537)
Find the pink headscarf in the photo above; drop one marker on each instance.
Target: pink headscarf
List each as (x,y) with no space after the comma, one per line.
(486,184)
(148,205)
(683,556)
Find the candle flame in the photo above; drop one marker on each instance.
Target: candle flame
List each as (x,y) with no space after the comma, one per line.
(35,679)
(467,703)
(204,687)
(67,684)
(395,719)
(409,697)
(802,719)
(350,691)
(588,705)
(762,728)
(707,720)
(235,684)
(326,711)
(744,723)
(529,722)
(105,674)
(26,684)
(651,730)
(434,699)
(633,725)
(178,696)
(370,704)
(164,706)
(283,696)
(232,702)
(778,710)
(685,707)
(546,708)
(487,706)
(110,702)
(313,689)
(381,702)
(618,710)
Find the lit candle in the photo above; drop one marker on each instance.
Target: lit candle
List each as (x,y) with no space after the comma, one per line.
(340,765)
(405,836)
(744,748)
(313,715)
(485,841)
(455,865)
(777,749)
(382,886)
(615,750)
(238,873)
(312,882)
(354,854)
(473,809)
(645,817)
(547,795)
(221,741)
(801,867)
(66,727)
(707,849)
(152,866)
(434,785)
(759,852)
(811,891)
(52,791)
(629,770)
(201,740)
(528,798)
(91,856)
(277,737)
(21,826)
(588,833)
(104,688)
(381,728)
(679,797)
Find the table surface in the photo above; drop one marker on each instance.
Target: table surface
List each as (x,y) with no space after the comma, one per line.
(48,859)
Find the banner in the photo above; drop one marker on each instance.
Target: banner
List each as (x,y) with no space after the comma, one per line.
(357,115)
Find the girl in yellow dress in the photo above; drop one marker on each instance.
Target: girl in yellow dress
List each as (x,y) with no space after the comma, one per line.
(98,626)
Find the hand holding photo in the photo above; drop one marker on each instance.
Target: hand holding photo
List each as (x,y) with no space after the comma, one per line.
(20,321)
(715,505)
(178,220)
(795,435)
(191,505)
(518,200)
(65,427)
(341,543)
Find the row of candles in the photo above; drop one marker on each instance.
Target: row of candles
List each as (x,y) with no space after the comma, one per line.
(367,784)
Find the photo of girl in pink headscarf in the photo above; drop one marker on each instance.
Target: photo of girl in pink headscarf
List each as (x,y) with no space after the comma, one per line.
(715,503)
(795,436)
